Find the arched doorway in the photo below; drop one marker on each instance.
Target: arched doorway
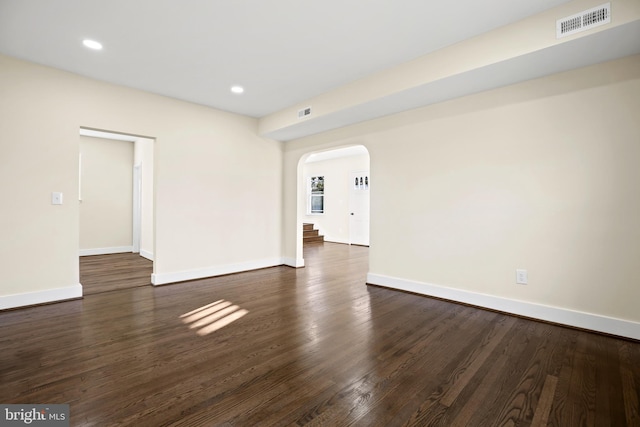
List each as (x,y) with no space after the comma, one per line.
(339,212)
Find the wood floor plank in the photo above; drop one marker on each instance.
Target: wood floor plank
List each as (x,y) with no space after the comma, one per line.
(528,364)
(476,403)
(473,390)
(609,406)
(313,346)
(630,384)
(419,385)
(541,415)
(463,374)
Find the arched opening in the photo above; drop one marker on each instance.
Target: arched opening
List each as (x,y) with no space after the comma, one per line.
(333,197)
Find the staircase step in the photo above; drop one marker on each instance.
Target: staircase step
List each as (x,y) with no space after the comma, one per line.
(310,234)
(314,239)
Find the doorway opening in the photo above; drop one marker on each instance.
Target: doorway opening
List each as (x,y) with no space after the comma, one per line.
(336,211)
(116,209)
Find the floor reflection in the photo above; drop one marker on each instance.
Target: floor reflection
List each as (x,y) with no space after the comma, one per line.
(211,317)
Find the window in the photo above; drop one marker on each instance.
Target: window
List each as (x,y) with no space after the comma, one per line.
(316,195)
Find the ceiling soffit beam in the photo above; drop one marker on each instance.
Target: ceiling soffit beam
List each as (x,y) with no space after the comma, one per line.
(511,54)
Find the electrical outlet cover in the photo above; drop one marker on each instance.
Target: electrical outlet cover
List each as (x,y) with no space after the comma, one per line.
(521,277)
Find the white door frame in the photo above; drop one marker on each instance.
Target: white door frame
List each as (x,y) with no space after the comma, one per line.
(137,207)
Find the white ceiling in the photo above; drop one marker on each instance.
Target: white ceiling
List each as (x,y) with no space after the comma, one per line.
(282,51)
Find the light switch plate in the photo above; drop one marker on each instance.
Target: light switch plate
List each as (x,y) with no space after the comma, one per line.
(56,198)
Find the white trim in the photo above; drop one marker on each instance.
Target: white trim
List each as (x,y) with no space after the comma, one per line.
(137,207)
(563,316)
(146,254)
(106,251)
(108,135)
(292,262)
(80,177)
(181,276)
(332,240)
(40,297)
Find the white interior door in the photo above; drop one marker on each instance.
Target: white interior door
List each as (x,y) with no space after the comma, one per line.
(359,208)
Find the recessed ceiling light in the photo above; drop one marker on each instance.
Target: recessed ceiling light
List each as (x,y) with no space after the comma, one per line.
(237,89)
(92,44)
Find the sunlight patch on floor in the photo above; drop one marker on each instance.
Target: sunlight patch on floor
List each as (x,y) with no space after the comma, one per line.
(211,317)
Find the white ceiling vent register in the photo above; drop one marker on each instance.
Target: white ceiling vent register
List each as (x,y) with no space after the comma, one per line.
(584,20)
(304,112)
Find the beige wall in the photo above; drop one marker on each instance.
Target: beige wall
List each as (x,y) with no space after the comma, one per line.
(542,175)
(218,185)
(334,223)
(106,206)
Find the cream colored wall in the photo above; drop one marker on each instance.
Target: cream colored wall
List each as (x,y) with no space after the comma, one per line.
(143,153)
(218,185)
(39,244)
(334,223)
(542,175)
(106,208)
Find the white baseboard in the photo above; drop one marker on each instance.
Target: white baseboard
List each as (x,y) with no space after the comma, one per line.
(181,276)
(332,240)
(292,262)
(40,297)
(106,251)
(329,239)
(146,254)
(563,316)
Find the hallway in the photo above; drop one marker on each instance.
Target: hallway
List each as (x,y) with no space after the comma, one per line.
(104,273)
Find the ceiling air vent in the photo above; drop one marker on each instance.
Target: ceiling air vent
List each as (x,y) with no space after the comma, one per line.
(304,112)
(583,21)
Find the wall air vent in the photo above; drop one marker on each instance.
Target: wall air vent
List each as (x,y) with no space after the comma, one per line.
(583,21)
(305,112)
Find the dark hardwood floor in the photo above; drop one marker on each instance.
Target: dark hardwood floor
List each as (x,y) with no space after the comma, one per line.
(104,273)
(311,346)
